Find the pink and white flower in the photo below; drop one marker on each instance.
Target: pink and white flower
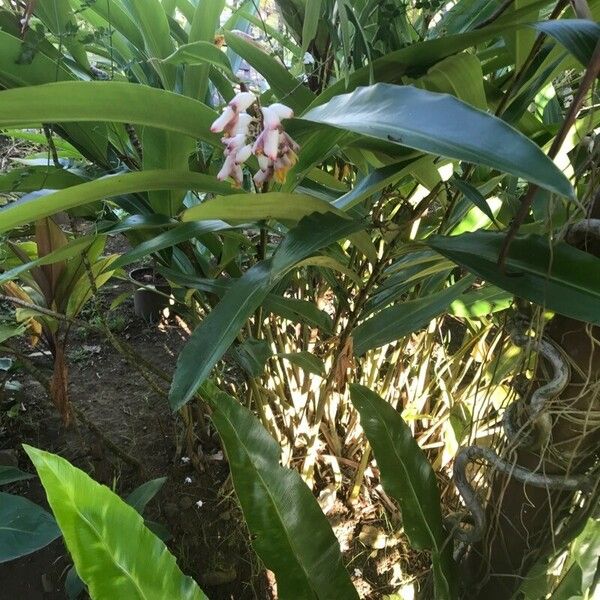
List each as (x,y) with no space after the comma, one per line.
(275,150)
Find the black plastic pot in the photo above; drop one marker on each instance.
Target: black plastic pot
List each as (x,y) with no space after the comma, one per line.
(147,303)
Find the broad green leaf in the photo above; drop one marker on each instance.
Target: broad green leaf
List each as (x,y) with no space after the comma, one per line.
(441,125)
(142,494)
(405,317)
(115,555)
(581,581)
(151,20)
(285,207)
(20,213)
(166,150)
(24,527)
(200,53)
(554,275)
(10,331)
(79,101)
(289,531)
(578,36)
(89,137)
(73,585)
(30,179)
(306,361)
(244,208)
(252,356)
(285,40)
(414,59)
(202,30)
(58,17)
(285,86)
(12,474)
(312,13)
(220,327)
(408,477)
(151,221)
(521,40)
(459,75)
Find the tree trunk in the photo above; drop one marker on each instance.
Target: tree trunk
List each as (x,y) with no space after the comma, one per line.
(523,520)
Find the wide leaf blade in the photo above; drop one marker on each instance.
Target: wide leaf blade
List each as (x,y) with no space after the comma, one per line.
(114,553)
(409,478)
(24,527)
(555,275)
(290,532)
(441,125)
(397,321)
(37,207)
(12,474)
(79,101)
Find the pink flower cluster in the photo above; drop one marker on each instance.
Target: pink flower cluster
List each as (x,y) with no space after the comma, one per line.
(275,150)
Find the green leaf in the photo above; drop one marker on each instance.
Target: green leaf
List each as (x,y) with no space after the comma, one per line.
(375,182)
(289,531)
(21,213)
(202,29)
(113,12)
(473,195)
(10,331)
(142,494)
(200,53)
(554,275)
(406,317)
(252,355)
(580,581)
(244,208)
(480,302)
(285,86)
(31,179)
(167,239)
(306,361)
(58,17)
(578,36)
(441,125)
(73,248)
(415,58)
(289,308)
(459,75)
(151,21)
(45,69)
(407,476)
(79,101)
(312,12)
(220,327)
(115,555)
(24,527)
(73,584)
(12,474)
